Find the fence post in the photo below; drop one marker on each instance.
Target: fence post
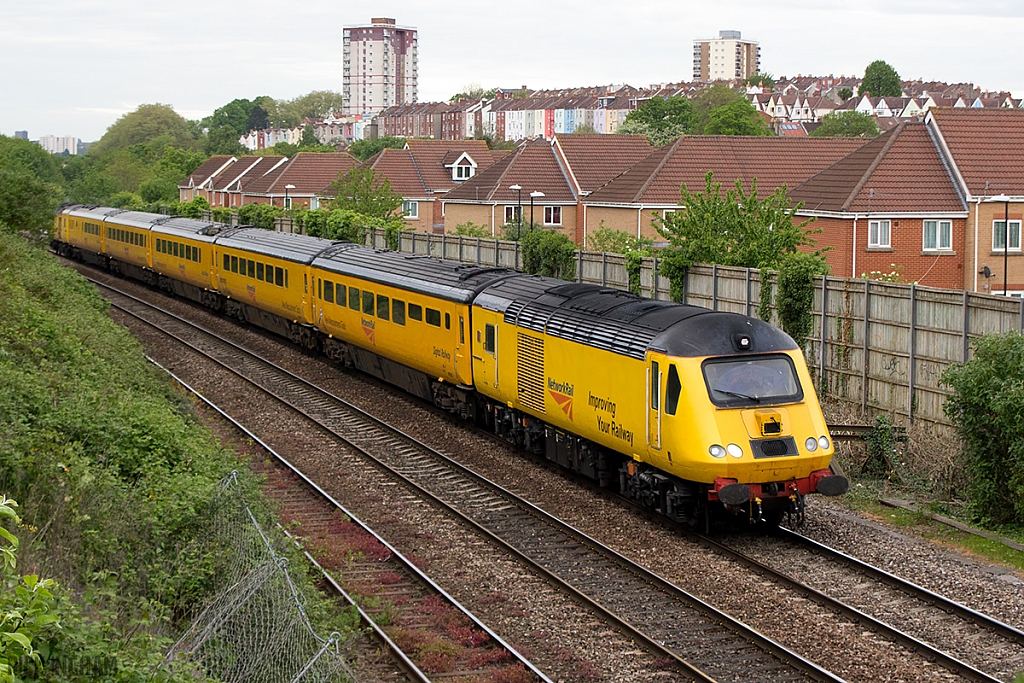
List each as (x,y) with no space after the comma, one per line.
(824,333)
(444,246)
(746,307)
(579,266)
(714,287)
(1022,314)
(497,252)
(867,346)
(654,279)
(516,254)
(913,349)
(686,284)
(479,258)
(967,323)
(604,268)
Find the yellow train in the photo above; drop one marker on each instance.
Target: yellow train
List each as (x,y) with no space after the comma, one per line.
(688,410)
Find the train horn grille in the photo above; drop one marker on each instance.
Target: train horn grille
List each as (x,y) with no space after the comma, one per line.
(773,448)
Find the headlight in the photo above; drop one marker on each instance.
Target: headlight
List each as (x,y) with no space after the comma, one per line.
(734,450)
(823,442)
(717,451)
(811,444)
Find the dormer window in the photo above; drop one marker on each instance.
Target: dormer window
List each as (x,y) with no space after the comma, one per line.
(462,172)
(462,165)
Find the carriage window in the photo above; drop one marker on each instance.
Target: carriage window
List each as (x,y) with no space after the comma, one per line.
(286,278)
(398,312)
(227,262)
(672,390)
(176,245)
(188,252)
(383,311)
(198,253)
(270,274)
(328,291)
(489,338)
(259,271)
(433,317)
(353,298)
(416,312)
(340,298)
(234,264)
(447,321)
(279,276)
(368,303)
(250,267)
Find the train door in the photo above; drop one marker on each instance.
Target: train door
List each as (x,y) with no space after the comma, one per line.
(655,372)
(484,344)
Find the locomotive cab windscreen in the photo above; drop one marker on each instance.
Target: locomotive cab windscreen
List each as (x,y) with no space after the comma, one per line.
(752,381)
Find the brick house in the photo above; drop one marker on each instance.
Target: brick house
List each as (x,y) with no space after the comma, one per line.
(298,182)
(425,171)
(890,202)
(984,151)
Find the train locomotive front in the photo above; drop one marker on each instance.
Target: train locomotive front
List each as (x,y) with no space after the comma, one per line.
(690,411)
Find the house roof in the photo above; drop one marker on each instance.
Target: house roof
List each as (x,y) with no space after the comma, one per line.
(774,161)
(533,166)
(899,171)
(205,170)
(243,171)
(430,157)
(309,172)
(985,145)
(398,166)
(593,160)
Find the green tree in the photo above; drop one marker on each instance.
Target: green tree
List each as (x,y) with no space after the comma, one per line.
(223,140)
(309,138)
(144,125)
(765,80)
(708,98)
(845,94)
(881,80)
(987,410)
(471,229)
(549,253)
(258,119)
(25,156)
(364,149)
(846,124)
(158,189)
(363,191)
(472,93)
(584,129)
(26,202)
(259,215)
(731,229)
(317,104)
(661,119)
(736,118)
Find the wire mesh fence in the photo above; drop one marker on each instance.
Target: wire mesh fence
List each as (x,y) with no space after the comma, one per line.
(256,629)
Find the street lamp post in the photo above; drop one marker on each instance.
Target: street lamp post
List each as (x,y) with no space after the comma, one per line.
(533,195)
(287,202)
(519,215)
(1006,238)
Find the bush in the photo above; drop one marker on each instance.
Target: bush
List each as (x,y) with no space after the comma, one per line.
(795,297)
(471,229)
(26,202)
(192,209)
(987,409)
(550,254)
(259,215)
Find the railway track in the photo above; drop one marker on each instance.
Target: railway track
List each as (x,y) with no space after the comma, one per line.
(316,514)
(704,643)
(913,615)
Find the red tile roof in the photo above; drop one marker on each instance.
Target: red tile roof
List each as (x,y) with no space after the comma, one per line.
(593,160)
(533,166)
(398,167)
(243,171)
(310,173)
(205,170)
(986,148)
(430,157)
(774,161)
(898,171)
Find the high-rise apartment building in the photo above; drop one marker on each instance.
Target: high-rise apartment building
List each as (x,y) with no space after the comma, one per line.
(59,144)
(725,58)
(380,67)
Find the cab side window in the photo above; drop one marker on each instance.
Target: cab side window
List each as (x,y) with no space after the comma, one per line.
(328,291)
(489,338)
(672,390)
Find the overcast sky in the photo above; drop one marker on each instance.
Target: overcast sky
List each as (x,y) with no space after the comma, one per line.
(72,67)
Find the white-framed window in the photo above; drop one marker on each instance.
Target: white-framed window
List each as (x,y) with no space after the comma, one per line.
(411,209)
(512,213)
(938,235)
(667,212)
(552,215)
(999,234)
(314,203)
(879,235)
(462,172)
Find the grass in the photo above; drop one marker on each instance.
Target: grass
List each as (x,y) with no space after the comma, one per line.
(864,497)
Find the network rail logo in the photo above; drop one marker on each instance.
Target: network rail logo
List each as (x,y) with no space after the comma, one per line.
(562,393)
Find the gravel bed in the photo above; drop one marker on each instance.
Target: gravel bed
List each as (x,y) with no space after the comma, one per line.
(838,645)
(562,638)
